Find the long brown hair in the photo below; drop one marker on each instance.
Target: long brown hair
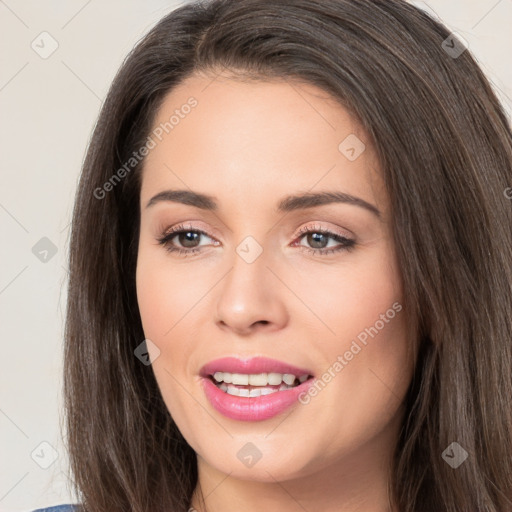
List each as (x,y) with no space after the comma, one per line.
(445,147)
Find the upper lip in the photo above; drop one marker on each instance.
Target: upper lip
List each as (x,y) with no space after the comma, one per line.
(252,365)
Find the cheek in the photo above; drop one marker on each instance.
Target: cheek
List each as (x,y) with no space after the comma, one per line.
(362,307)
(166,292)
(373,314)
(351,297)
(151,297)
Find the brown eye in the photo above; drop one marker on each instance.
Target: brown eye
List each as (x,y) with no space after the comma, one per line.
(187,240)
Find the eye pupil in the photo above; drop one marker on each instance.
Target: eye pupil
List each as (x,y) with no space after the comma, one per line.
(188,236)
(317,238)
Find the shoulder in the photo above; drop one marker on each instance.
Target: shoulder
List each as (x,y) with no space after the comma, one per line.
(58,508)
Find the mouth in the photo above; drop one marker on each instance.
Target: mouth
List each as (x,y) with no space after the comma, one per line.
(254,389)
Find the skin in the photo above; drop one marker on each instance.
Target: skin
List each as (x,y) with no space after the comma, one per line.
(249,144)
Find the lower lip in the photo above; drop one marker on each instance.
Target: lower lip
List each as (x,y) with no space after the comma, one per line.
(256,408)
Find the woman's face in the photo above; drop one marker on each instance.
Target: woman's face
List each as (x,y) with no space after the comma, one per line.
(258,278)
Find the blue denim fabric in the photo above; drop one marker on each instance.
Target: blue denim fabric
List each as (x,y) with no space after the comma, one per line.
(58,508)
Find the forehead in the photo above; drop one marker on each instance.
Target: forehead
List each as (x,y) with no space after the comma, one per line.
(254,139)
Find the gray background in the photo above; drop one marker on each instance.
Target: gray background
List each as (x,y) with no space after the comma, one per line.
(48,107)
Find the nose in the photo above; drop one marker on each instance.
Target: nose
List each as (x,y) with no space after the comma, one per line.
(251,298)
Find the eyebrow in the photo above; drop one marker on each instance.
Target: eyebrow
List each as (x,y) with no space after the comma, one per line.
(287,204)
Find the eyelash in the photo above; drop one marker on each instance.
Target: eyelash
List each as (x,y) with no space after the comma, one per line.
(347,244)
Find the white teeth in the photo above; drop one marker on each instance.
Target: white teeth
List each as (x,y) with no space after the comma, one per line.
(268,391)
(233,391)
(228,383)
(288,378)
(240,378)
(258,380)
(274,379)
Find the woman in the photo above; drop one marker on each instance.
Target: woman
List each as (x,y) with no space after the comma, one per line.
(340,340)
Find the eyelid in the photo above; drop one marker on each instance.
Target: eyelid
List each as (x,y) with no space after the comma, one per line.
(210,232)
(166,228)
(312,227)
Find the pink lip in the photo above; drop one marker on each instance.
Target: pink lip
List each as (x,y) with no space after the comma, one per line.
(252,409)
(255,408)
(251,365)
